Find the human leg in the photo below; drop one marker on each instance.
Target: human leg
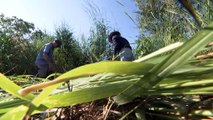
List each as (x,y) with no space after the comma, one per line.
(42,71)
(126,55)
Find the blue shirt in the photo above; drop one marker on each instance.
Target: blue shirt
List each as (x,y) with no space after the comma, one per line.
(48,49)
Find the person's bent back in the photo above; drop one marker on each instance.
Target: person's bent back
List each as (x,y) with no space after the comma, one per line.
(121,46)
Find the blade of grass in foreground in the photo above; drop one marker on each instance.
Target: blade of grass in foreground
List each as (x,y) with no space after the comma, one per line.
(117,67)
(84,71)
(178,84)
(12,88)
(17,113)
(10,105)
(208,113)
(160,51)
(166,67)
(95,93)
(117,85)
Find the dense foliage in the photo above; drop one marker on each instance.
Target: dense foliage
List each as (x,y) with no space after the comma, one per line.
(70,55)
(21,42)
(15,49)
(167,21)
(97,46)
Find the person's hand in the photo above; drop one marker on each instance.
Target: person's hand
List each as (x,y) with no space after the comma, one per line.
(51,67)
(113,57)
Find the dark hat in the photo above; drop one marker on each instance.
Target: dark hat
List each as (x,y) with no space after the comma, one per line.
(58,42)
(112,34)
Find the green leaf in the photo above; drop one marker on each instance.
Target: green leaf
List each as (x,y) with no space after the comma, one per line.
(12,103)
(160,51)
(91,69)
(117,67)
(17,113)
(12,88)
(208,113)
(93,88)
(83,95)
(190,9)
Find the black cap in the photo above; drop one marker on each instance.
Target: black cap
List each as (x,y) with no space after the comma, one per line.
(112,34)
(58,42)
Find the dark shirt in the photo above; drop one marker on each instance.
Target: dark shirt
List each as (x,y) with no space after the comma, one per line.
(120,43)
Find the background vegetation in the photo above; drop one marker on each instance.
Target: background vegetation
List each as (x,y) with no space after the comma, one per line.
(165,22)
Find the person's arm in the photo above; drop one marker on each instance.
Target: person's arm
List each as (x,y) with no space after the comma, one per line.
(116,48)
(113,57)
(50,63)
(47,58)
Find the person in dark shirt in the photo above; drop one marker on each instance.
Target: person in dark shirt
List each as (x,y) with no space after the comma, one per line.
(44,60)
(121,45)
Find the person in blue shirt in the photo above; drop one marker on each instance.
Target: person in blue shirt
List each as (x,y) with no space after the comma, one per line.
(121,46)
(45,60)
